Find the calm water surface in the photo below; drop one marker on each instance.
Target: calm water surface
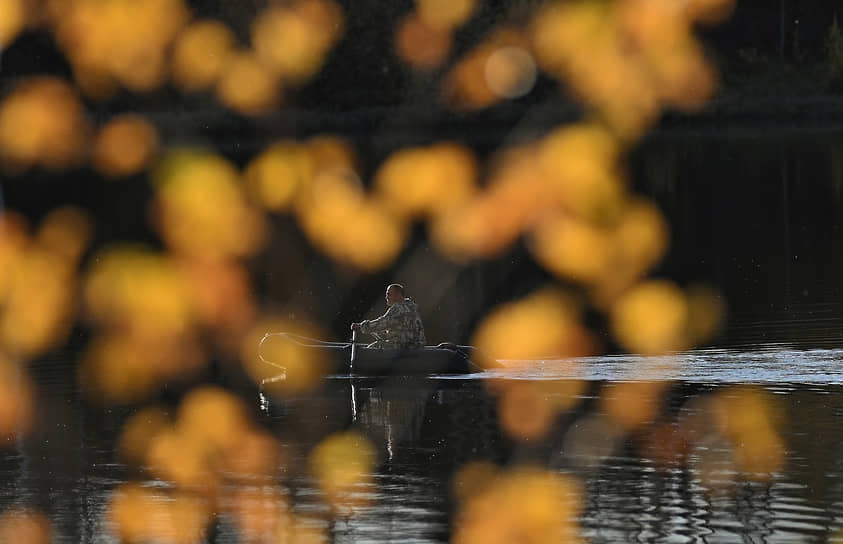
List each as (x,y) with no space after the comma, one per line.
(424,429)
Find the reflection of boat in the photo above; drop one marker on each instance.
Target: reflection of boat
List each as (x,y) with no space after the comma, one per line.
(430,360)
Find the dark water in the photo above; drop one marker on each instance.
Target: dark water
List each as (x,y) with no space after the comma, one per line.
(424,429)
(757,215)
(757,212)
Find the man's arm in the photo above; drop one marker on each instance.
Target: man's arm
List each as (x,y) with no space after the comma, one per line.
(388,320)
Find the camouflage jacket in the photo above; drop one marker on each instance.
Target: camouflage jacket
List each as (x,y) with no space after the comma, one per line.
(400,327)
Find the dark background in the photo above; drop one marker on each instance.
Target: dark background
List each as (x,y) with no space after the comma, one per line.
(751,185)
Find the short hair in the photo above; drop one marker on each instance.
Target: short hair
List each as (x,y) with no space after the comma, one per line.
(396,286)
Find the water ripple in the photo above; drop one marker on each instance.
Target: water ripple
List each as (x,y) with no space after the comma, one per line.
(766,365)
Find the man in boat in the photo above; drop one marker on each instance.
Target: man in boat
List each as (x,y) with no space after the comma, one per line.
(400,327)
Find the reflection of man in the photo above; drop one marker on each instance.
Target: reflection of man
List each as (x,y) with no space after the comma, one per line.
(401,325)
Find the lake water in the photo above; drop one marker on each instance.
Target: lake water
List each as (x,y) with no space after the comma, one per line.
(424,429)
(762,231)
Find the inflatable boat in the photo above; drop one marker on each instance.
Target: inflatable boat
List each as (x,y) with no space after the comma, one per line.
(355,359)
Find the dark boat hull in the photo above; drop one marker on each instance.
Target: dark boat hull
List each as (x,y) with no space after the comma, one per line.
(372,362)
(429,360)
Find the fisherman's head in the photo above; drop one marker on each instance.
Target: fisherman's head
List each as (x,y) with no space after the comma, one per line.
(394,293)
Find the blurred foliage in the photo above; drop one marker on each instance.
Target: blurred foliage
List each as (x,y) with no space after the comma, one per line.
(565,193)
(26,527)
(524,505)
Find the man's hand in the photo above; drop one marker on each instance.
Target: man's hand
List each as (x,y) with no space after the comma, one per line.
(355,326)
